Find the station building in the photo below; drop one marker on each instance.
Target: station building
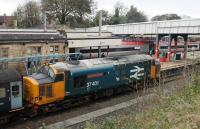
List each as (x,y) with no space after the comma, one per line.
(20,43)
(23,42)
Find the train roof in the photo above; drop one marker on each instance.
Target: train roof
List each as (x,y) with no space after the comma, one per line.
(99,62)
(9,75)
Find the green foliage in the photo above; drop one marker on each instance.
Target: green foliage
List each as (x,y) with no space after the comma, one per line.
(133,15)
(119,16)
(68,11)
(165,17)
(106,18)
(181,110)
(79,13)
(28,15)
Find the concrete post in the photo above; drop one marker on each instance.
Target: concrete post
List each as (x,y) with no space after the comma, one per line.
(185,46)
(90,52)
(157,45)
(108,48)
(100,22)
(175,45)
(169,49)
(99,51)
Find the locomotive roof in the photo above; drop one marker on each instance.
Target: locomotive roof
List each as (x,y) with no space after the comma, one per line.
(9,75)
(99,62)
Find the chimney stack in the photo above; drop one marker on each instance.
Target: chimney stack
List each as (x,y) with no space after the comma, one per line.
(15,24)
(5,21)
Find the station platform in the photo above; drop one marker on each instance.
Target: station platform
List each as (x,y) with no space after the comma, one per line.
(192,58)
(176,64)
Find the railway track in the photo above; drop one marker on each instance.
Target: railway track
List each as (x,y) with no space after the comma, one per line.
(174,76)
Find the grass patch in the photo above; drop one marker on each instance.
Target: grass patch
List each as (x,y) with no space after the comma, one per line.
(179,111)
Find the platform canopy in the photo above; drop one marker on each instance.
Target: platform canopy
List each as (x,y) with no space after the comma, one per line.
(189,26)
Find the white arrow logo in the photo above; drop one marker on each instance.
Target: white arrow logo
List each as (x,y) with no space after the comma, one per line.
(137,71)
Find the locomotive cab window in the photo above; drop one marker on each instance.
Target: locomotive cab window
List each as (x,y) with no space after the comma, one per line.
(2,93)
(80,81)
(48,71)
(15,90)
(59,77)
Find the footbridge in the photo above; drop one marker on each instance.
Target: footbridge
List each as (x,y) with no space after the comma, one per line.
(190,26)
(171,28)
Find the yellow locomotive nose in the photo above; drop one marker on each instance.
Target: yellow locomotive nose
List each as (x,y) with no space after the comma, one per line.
(44,87)
(30,90)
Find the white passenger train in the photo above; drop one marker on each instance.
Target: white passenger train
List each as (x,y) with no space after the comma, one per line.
(192,46)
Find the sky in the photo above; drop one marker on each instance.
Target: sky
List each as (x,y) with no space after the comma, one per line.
(149,7)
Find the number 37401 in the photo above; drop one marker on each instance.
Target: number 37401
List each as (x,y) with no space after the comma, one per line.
(94,83)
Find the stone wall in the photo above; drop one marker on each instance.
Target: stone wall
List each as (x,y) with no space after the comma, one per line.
(22,49)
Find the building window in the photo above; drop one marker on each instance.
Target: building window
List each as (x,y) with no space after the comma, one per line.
(32,51)
(4,53)
(54,49)
(2,93)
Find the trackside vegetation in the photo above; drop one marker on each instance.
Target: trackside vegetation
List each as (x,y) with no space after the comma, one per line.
(181,110)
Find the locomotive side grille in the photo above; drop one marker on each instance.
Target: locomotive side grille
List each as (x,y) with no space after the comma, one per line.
(46,91)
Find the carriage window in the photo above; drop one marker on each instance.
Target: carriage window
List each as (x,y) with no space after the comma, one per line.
(80,81)
(15,90)
(42,91)
(2,93)
(49,91)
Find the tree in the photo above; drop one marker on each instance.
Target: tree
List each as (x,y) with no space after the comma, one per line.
(165,17)
(133,15)
(119,16)
(66,11)
(122,10)
(28,15)
(106,18)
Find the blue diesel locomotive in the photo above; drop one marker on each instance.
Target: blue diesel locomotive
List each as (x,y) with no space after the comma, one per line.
(62,84)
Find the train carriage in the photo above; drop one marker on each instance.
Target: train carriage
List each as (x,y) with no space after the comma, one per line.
(10,92)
